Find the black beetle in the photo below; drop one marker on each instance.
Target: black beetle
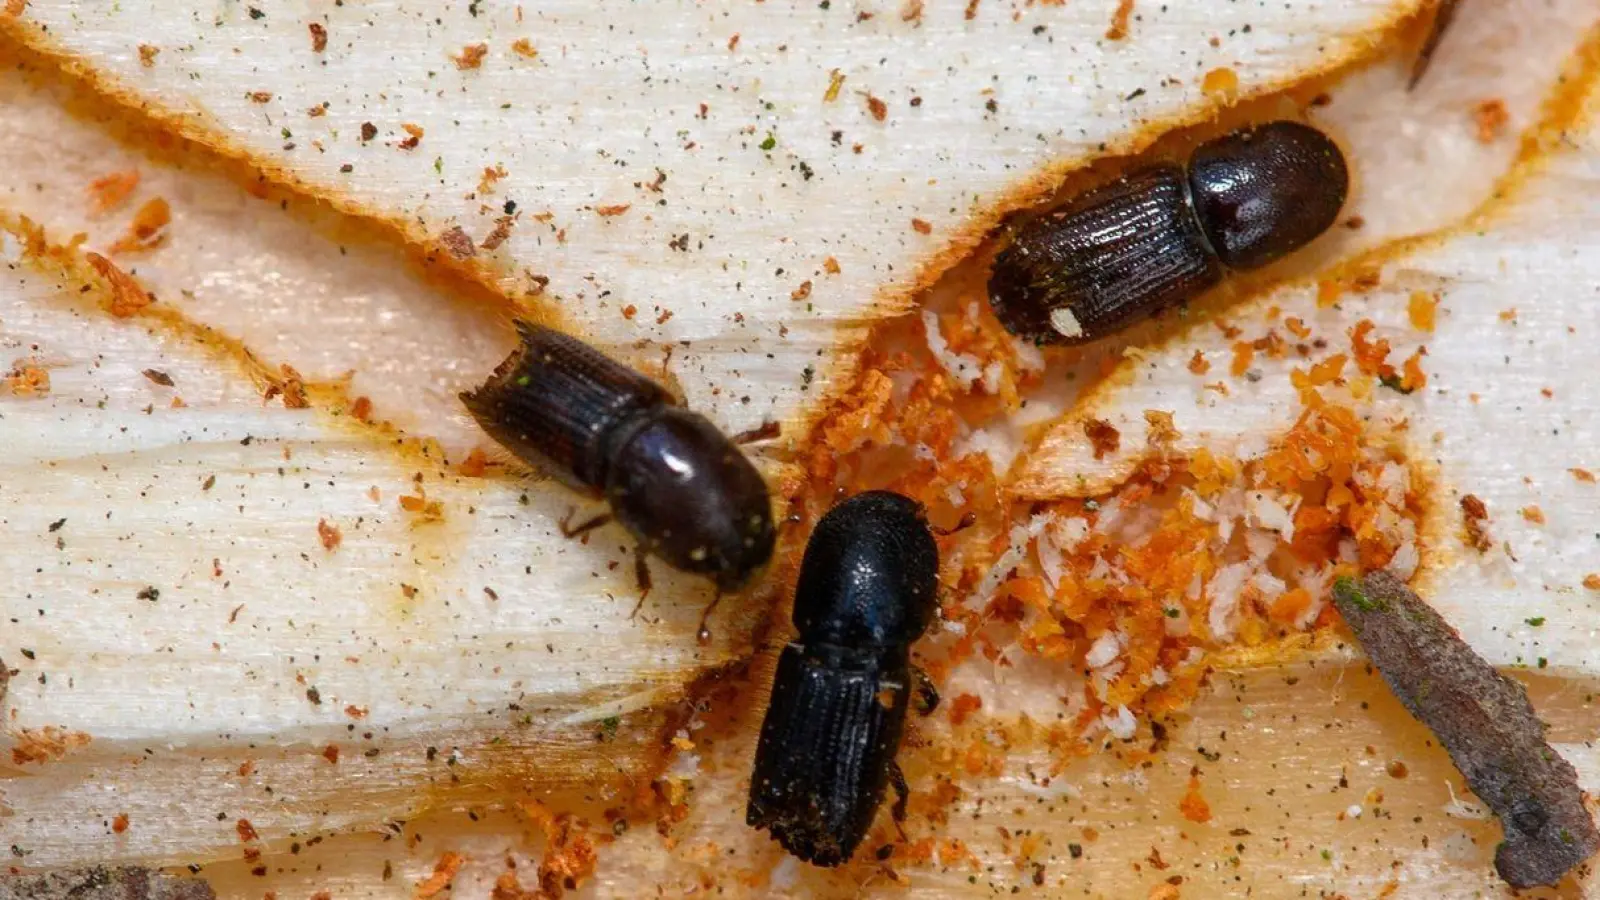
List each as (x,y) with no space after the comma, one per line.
(866,591)
(1160,235)
(679,485)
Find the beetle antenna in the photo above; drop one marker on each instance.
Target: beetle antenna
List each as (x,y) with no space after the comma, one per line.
(703,635)
(641,574)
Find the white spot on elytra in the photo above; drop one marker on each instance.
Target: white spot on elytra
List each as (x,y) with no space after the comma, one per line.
(1063,321)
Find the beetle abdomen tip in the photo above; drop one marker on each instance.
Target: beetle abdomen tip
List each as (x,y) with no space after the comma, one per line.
(1111,257)
(554,399)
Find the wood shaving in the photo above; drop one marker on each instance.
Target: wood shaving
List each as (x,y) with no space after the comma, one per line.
(148,230)
(457,243)
(471,56)
(444,872)
(127,297)
(1491,118)
(1102,436)
(47,744)
(1119,21)
(329,534)
(109,192)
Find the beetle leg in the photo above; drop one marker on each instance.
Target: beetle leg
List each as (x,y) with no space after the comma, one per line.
(796,514)
(569,531)
(902,798)
(766,432)
(968,519)
(704,634)
(1442,16)
(641,575)
(927,694)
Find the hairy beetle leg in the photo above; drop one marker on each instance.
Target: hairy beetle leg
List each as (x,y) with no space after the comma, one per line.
(902,798)
(927,694)
(641,575)
(703,635)
(766,432)
(569,531)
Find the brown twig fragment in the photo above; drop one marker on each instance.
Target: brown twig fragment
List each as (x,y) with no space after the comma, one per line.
(1483,719)
(100,883)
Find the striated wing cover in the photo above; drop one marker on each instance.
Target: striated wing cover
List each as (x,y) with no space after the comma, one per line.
(824,753)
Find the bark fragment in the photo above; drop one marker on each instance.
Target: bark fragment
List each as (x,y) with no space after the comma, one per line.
(100,883)
(1483,719)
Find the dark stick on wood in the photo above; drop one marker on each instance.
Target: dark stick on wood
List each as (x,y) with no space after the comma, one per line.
(101,883)
(1483,719)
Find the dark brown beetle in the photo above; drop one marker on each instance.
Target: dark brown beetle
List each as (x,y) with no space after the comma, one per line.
(680,486)
(1161,235)
(867,589)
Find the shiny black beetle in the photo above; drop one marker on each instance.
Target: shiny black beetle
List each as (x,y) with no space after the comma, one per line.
(866,591)
(680,486)
(1161,235)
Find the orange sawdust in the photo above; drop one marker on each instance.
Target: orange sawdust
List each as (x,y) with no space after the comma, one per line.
(148,230)
(1118,29)
(1327,371)
(419,506)
(47,744)
(1491,118)
(1220,82)
(291,386)
(28,379)
(569,854)
(1103,437)
(329,535)
(1370,355)
(1193,805)
(963,707)
(1195,551)
(1422,309)
(108,192)
(1411,375)
(444,872)
(1154,593)
(127,297)
(476,463)
(1244,353)
(1162,430)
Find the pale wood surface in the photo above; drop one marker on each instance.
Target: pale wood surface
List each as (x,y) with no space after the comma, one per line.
(282,284)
